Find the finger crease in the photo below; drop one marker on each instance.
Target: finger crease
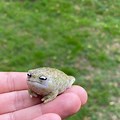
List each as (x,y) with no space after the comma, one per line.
(12,116)
(19,101)
(11,82)
(41,112)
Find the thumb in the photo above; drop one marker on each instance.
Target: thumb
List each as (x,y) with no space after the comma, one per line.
(49,116)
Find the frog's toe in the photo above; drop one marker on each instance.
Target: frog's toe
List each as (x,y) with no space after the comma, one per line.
(47,99)
(44,98)
(33,95)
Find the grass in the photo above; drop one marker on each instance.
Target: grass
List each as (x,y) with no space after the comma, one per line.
(81,37)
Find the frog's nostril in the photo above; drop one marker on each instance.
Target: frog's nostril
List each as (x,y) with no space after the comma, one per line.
(29,75)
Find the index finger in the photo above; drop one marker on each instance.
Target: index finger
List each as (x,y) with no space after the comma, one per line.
(12,81)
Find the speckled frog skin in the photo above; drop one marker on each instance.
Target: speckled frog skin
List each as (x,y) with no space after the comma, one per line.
(48,82)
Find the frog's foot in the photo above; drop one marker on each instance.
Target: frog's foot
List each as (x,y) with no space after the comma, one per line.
(49,97)
(32,94)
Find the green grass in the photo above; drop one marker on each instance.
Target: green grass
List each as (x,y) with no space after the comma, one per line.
(80,37)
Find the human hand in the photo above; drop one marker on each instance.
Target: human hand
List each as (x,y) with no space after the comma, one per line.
(15,103)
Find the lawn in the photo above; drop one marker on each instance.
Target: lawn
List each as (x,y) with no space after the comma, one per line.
(80,37)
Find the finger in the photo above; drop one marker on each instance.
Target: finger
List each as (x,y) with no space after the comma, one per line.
(49,116)
(11,81)
(80,92)
(20,99)
(64,105)
(13,101)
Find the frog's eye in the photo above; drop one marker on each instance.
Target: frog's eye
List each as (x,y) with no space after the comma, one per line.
(42,78)
(29,75)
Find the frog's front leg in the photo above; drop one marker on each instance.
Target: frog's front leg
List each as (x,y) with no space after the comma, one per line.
(50,96)
(32,93)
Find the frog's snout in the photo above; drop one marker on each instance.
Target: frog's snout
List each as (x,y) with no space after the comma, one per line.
(29,75)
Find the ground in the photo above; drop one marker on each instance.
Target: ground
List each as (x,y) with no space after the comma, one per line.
(81,37)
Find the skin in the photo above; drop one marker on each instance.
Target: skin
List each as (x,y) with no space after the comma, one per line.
(16,104)
(48,82)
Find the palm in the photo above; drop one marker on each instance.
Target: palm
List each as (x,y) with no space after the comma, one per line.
(15,103)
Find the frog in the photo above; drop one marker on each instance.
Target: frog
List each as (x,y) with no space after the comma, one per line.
(48,83)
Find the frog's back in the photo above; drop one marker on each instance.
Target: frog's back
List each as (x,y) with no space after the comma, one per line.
(51,72)
(61,80)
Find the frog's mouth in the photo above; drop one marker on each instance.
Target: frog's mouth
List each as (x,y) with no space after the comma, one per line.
(37,84)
